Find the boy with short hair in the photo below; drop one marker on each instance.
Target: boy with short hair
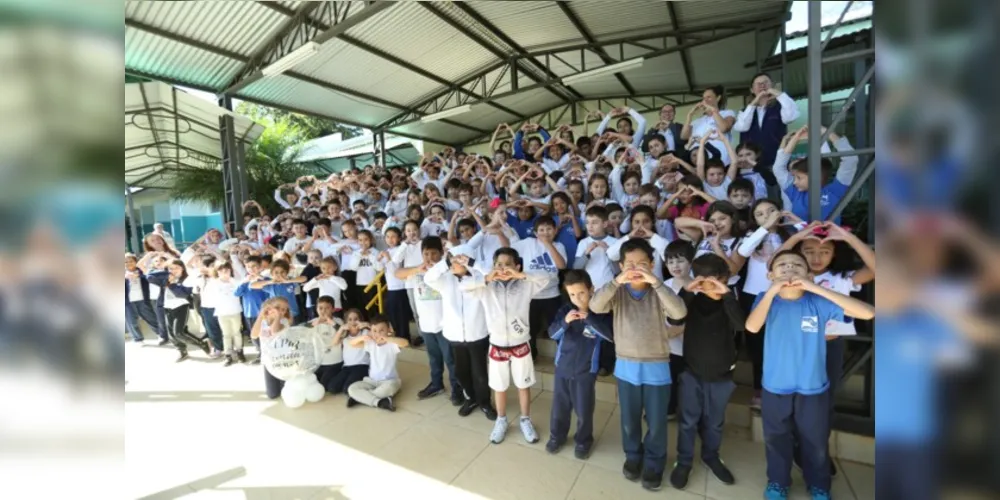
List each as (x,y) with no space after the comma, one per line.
(544,255)
(252,298)
(592,256)
(795,185)
(713,316)
(382,383)
(280,285)
(641,306)
(506,294)
(794,404)
(581,335)
(332,359)
(679,256)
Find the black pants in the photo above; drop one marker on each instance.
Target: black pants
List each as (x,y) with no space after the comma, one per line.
(326,373)
(754,343)
(339,383)
(677,366)
(908,471)
(574,394)
(177,328)
(540,316)
(703,413)
(470,368)
(351,300)
(272,385)
(397,308)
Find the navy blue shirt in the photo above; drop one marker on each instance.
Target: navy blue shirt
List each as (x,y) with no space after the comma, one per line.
(795,344)
(567,237)
(579,342)
(286,290)
(251,299)
(524,228)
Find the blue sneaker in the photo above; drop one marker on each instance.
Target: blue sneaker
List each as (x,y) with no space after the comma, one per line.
(820,494)
(775,492)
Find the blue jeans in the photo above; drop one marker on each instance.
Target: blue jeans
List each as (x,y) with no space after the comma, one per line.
(634,401)
(439,355)
(702,406)
(212,328)
(134,311)
(790,416)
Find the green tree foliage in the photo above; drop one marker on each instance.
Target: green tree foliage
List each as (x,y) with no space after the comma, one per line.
(308,127)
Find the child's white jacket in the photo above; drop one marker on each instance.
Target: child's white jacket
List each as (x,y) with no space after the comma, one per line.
(506,305)
(463,319)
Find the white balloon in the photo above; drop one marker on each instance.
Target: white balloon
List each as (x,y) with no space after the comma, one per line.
(293,397)
(315,392)
(295,351)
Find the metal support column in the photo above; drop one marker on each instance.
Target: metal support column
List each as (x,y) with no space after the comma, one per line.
(379,140)
(815,106)
(233,176)
(134,219)
(860,107)
(784,57)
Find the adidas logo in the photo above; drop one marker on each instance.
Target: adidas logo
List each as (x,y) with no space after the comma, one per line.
(543,261)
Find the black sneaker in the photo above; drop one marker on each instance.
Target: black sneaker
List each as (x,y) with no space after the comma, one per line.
(457,399)
(229,361)
(833,469)
(182,356)
(679,477)
(603,372)
(162,342)
(582,452)
(652,481)
(467,408)
(429,392)
(386,404)
(632,471)
(553,446)
(417,342)
(240,357)
(351,402)
(721,471)
(205,347)
(489,412)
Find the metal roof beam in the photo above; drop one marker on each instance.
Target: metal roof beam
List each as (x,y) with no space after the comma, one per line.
(589,37)
(518,50)
(685,60)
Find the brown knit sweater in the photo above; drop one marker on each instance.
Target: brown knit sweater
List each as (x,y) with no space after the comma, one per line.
(640,325)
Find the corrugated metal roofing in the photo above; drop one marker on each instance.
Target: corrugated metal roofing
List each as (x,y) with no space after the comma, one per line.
(294,93)
(156,55)
(717,62)
(530,102)
(635,16)
(530,24)
(234,26)
(709,12)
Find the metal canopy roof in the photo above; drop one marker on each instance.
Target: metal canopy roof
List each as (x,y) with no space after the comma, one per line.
(167,129)
(384,65)
(331,154)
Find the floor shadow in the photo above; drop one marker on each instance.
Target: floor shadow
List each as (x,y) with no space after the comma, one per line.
(215,482)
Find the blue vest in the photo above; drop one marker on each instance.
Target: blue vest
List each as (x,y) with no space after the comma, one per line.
(768,136)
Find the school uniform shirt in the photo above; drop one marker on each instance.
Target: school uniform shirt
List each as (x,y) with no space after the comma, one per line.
(830,194)
(705,125)
(567,237)
(598,265)
(287,291)
(326,247)
(663,227)
(346,259)
(252,299)
(408,256)
(332,287)
(676,343)
(462,319)
(728,247)
(431,228)
(430,308)
(710,343)
(536,259)
(579,342)
(757,258)
(795,344)
(366,264)
(224,297)
(354,356)
(197,285)
(524,228)
(135,288)
(383,360)
(292,243)
(392,283)
(333,354)
(174,296)
(844,285)
(720,192)
(759,184)
(485,245)
(659,245)
(506,304)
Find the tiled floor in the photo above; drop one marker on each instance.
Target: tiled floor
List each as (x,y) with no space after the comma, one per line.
(197,430)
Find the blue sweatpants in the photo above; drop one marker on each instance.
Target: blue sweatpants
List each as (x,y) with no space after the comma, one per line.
(574,394)
(439,356)
(907,471)
(787,416)
(212,328)
(702,406)
(651,400)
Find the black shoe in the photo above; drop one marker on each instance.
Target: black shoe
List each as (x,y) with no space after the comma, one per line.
(351,402)
(205,347)
(652,481)
(240,357)
(229,361)
(721,471)
(632,471)
(833,469)
(429,392)
(553,446)
(467,408)
(603,372)
(386,404)
(255,361)
(582,452)
(490,413)
(162,342)
(457,399)
(417,342)
(679,477)
(182,356)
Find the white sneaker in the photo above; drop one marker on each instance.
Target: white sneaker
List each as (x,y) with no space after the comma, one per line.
(499,431)
(528,429)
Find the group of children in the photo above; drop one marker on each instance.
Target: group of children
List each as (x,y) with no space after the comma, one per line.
(627,257)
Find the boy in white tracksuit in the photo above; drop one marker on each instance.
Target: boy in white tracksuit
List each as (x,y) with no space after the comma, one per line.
(464,324)
(506,295)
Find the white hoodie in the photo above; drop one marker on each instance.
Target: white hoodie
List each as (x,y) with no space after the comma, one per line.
(463,319)
(506,305)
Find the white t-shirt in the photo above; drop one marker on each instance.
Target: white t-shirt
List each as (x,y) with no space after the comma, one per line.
(728,246)
(844,285)
(677,343)
(171,301)
(757,282)
(392,283)
(224,297)
(328,249)
(431,228)
(332,353)
(598,266)
(720,192)
(292,243)
(536,259)
(659,245)
(366,264)
(408,255)
(706,124)
(135,289)
(383,361)
(332,287)
(354,356)
(430,308)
